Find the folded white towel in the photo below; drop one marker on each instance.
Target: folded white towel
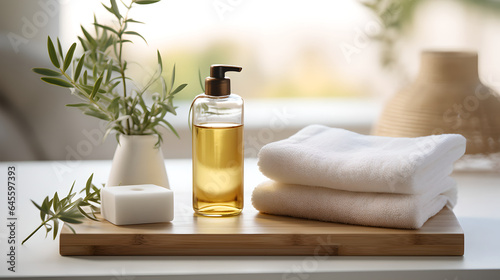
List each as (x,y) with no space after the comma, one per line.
(340,159)
(409,211)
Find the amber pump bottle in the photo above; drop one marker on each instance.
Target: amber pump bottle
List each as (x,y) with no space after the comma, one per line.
(217,130)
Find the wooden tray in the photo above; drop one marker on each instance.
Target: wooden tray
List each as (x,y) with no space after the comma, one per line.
(253,233)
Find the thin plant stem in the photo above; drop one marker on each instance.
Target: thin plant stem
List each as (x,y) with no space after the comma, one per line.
(39,227)
(122,65)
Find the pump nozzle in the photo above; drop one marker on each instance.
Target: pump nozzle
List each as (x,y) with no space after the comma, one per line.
(217,84)
(218,71)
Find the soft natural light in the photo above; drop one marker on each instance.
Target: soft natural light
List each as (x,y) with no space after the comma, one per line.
(295,48)
(288,48)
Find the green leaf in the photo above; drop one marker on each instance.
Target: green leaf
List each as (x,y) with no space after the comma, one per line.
(179,88)
(46,72)
(88,185)
(79,67)
(97,85)
(56,229)
(146,2)
(107,28)
(160,138)
(110,71)
(84,44)
(59,48)
(97,192)
(113,86)
(109,42)
(136,34)
(143,104)
(108,131)
(48,228)
(73,204)
(71,220)
(56,202)
(115,9)
(71,228)
(87,89)
(46,205)
(171,127)
(95,26)
(64,201)
(169,108)
(93,217)
(52,53)
(57,82)
(78,105)
(134,21)
(163,112)
(97,114)
(135,119)
(108,8)
(70,197)
(87,35)
(73,212)
(69,56)
(160,63)
(85,77)
(83,203)
(173,78)
(71,190)
(113,106)
(42,212)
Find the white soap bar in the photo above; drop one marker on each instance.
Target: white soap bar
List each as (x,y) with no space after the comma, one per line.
(138,204)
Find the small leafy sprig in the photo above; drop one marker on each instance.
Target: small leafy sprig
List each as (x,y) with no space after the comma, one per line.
(68,210)
(99,77)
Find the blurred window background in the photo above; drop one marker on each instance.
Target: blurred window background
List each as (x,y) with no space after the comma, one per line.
(317,61)
(309,49)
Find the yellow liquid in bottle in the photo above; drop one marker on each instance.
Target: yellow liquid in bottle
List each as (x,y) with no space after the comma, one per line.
(218,169)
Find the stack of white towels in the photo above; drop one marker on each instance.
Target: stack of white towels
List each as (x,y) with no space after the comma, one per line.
(336,175)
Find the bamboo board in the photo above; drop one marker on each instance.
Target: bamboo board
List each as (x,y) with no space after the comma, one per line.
(253,233)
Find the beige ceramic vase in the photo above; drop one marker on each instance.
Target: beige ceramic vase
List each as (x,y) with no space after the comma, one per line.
(446,97)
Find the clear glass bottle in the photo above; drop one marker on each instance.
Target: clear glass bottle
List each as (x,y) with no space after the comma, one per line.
(217,146)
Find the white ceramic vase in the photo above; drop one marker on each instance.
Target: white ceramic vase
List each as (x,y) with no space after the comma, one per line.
(137,161)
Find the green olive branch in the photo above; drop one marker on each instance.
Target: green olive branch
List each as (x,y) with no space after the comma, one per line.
(68,209)
(102,70)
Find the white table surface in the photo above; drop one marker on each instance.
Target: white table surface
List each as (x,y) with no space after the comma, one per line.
(478,211)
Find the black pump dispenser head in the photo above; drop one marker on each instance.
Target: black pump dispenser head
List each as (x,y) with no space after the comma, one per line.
(217,84)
